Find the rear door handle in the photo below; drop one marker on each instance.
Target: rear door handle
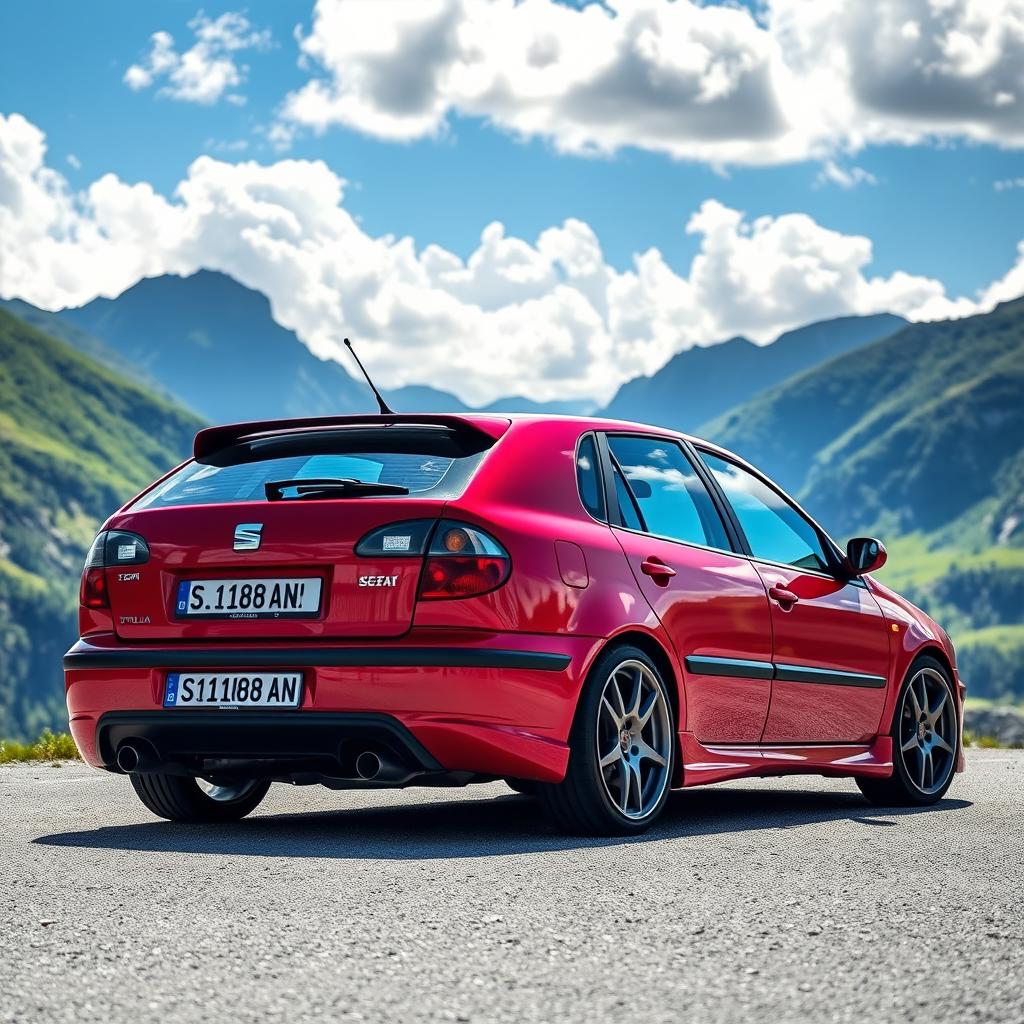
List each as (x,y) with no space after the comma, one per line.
(782,595)
(655,568)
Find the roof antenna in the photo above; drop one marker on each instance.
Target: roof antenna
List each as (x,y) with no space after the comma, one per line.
(385,409)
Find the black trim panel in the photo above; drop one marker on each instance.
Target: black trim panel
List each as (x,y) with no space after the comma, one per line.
(827,676)
(733,667)
(85,656)
(740,668)
(177,735)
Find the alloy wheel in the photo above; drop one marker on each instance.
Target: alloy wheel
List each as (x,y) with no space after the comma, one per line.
(928,731)
(634,739)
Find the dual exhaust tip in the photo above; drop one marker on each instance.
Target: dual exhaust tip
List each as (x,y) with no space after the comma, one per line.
(369,764)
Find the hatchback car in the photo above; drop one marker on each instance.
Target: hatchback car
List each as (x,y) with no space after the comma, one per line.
(595,611)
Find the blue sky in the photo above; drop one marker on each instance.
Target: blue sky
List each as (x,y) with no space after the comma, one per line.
(930,206)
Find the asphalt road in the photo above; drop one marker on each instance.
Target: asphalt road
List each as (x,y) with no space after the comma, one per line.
(782,900)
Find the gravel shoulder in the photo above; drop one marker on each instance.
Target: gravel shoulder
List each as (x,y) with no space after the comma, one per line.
(785,899)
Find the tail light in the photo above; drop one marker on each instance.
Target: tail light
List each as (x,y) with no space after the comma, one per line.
(461,560)
(110,548)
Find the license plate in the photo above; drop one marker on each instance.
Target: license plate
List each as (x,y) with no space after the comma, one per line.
(233,690)
(248,599)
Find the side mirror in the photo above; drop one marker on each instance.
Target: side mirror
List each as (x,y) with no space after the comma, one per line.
(864,555)
(641,489)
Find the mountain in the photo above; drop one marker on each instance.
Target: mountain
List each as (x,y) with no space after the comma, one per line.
(703,382)
(422,398)
(570,407)
(916,432)
(76,441)
(918,437)
(214,345)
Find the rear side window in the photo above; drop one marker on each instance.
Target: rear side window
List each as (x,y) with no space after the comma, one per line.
(775,530)
(672,500)
(587,478)
(426,464)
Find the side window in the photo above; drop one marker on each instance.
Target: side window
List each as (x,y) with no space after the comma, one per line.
(672,500)
(776,532)
(587,478)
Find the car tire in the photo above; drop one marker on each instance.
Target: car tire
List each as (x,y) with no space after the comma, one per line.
(925,740)
(181,798)
(617,783)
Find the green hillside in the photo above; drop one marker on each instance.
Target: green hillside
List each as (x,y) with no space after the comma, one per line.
(76,441)
(918,438)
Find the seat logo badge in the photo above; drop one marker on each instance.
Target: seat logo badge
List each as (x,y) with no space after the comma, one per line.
(248,536)
(378,581)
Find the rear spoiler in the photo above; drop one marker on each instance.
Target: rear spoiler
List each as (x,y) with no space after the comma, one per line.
(213,439)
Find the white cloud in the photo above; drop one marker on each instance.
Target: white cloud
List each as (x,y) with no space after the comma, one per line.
(547,317)
(1005,184)
(205,72)
(74,162)
(693,80)
(844,177)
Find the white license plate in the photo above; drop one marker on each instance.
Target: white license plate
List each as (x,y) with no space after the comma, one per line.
(248,599)
(233,690)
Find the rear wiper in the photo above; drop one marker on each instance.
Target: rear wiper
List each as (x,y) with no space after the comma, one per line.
(329,487)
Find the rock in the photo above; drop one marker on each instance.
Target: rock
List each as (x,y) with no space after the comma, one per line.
(1004,724)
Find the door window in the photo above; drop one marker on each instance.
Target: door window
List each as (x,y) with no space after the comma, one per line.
(775,530)
(670,498)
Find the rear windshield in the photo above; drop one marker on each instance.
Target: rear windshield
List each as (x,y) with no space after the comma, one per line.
(430,464)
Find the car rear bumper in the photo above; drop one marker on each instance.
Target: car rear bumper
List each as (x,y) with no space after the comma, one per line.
(488,704)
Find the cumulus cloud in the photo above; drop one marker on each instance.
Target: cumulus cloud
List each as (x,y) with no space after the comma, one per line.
(697,81)
(547,317)
(207,70)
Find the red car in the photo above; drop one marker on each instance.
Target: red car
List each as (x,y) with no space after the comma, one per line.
(595,611)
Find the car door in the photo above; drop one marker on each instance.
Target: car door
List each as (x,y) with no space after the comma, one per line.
(710,599)
(831,642)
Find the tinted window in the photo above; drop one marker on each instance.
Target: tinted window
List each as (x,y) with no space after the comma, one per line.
(428,464)
(775,530)
(672,500)
(587,478)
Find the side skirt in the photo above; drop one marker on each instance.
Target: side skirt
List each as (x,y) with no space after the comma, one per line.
(718,762)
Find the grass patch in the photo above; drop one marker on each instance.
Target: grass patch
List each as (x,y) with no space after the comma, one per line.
(987,742)
(913,561)
(49,747)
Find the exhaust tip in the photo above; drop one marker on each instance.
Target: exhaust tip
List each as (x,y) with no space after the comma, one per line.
(368,765)
(127,758)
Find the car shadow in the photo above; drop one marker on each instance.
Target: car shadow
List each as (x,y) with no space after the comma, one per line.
(494,826)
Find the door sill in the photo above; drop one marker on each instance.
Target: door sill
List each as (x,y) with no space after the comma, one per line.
(704,763)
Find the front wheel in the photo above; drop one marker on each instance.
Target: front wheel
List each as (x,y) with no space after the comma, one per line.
(180,798)
(622,749)
(925,741)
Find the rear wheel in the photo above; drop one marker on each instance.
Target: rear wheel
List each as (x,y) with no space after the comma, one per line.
(180,798)
(925,734)
(622,748)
